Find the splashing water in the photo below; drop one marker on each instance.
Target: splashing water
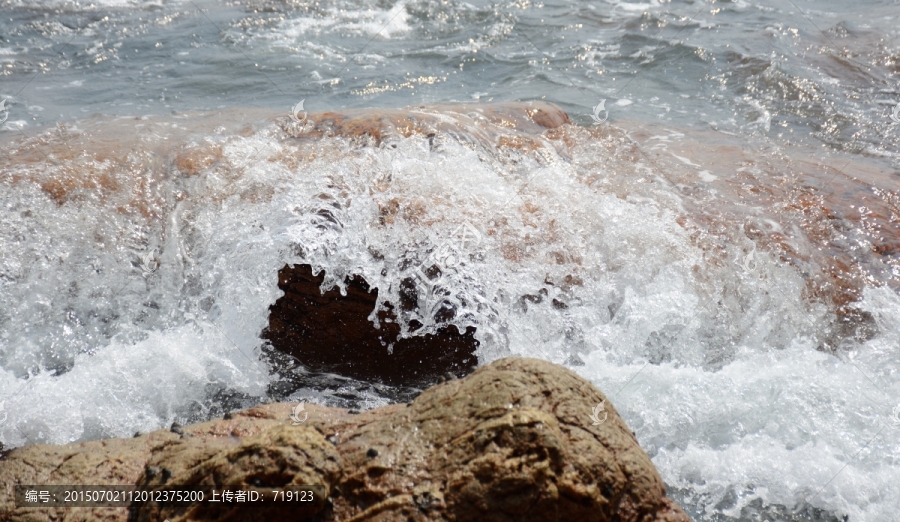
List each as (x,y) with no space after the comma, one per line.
(727,281)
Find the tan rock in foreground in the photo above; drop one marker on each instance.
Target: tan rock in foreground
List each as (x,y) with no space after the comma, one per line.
(511,442)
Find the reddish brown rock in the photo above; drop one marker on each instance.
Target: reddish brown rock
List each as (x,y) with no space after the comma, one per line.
(331,332)
(512,124)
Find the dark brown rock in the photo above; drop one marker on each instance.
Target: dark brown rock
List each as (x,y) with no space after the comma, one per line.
(331,332)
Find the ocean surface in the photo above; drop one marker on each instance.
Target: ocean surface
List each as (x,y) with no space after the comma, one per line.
(714,242)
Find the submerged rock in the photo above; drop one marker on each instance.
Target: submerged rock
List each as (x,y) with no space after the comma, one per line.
(514,441)
(332,332)
(517,124)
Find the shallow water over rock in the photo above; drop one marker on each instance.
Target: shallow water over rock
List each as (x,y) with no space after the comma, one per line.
(710,284)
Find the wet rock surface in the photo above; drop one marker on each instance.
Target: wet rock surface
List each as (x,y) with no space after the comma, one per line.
(512,441)
(330,332)
(522,122)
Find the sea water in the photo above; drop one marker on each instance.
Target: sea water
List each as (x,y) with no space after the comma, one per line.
(673,254)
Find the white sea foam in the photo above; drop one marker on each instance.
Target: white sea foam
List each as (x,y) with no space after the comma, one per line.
(773,424)
(92,5)
(123,388)
(383,23)
(714,367)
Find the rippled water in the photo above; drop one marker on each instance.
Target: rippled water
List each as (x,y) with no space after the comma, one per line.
(721,256)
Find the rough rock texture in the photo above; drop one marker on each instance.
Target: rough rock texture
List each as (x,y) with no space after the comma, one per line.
(511,442)
(522,121)
(279,456)
(112,461)
(302,324)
